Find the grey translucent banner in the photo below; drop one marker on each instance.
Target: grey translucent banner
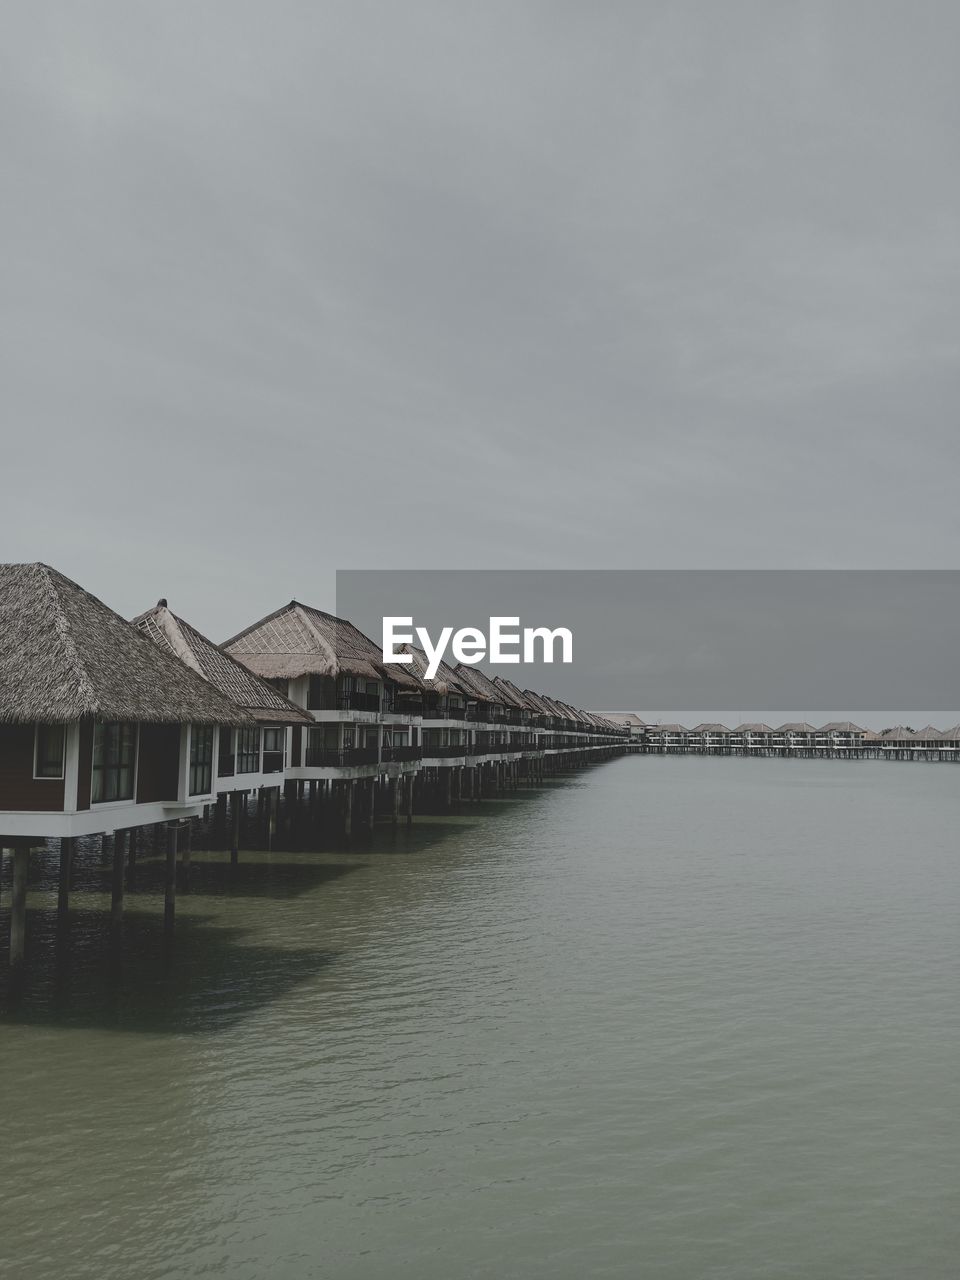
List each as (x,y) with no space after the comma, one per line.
(705,640)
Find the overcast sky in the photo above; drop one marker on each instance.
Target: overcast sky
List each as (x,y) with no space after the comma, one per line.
(296,286)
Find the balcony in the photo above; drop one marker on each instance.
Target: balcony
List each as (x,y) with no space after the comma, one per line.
(358,701)
(445,753)
(405,707)
(340,757)
(394,755)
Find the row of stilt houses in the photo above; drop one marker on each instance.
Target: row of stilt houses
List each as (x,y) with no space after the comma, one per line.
(138,732)
(836,740)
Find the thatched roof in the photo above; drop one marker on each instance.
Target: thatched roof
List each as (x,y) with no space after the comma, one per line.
(929,733)
(710,728)
(753,728)
(799,726)
(299,640)
(444,682)
(536,703)
(248,690)
(510,694)
(66,656)
(625,719)
(841,726)
(480,686)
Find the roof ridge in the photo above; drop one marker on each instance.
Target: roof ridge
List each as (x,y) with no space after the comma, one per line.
(84,683)
(322,644)
(172,628)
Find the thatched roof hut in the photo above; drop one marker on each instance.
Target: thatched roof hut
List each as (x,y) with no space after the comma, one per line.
(235,681)
(299,640)
(67,656)
(444,682)
(623,719)
(841,726)
(510,694)
(899,733)
(478,685)
(536,703)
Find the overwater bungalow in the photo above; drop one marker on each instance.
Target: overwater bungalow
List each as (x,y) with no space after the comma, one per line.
(755,737)
(630,721)
(366,717)
(330,669)
(669,739)
(255,755)
(714,739)
(101,730)
(445,733)
(795,737)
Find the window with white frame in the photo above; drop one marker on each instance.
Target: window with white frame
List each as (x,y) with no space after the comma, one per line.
(248,751)
(114,762)
(201,759)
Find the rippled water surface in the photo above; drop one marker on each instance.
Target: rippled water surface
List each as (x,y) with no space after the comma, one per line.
(669,1018)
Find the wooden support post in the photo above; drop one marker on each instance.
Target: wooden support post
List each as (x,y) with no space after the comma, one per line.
(273,801)
(220,819)
(185,857)
(372,813)
(348,811)
(116,898)
(66,869)
(410,778)
(235,828)
(397,785)
(133,840)
(170,885)
(18,907)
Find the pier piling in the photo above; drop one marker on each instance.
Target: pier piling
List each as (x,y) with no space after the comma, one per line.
(116,897)
(67,845)
(18,907)
(170,879)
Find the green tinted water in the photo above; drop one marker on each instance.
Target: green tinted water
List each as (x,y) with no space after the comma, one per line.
(670,1018)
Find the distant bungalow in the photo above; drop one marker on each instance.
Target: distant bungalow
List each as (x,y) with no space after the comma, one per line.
(250,757)
(358,713)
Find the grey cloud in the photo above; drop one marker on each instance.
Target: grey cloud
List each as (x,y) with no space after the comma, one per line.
(293,287)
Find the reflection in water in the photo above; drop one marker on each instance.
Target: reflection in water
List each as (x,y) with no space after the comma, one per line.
(668,1017)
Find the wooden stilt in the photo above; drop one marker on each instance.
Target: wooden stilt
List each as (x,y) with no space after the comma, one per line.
(170,884)
(348,811)
(235,828)
(187,843)
(409,799)
(66,868)
(18,908)
(116,900)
